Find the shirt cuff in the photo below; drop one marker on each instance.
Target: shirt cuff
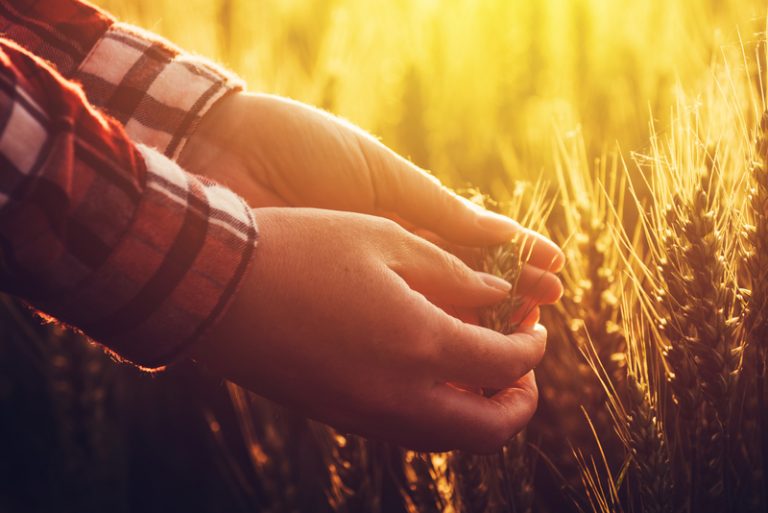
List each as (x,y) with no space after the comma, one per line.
(174,271)
(158,92)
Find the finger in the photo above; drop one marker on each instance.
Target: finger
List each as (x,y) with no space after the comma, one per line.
(529,314)
(543,286)
(526,316)
(419,198)
(477,356)
(469,255)
(533,317)
(541,252)
(443,277)
(462,419)
(539,285)
(525,312)
(542,259)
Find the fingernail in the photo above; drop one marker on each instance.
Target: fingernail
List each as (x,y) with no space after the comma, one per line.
(496,223)
(558,261)
(495,282)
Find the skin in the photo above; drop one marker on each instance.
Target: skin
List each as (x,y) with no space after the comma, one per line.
(346,313)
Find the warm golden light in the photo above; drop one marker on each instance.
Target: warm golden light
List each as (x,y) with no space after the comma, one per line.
(475,91)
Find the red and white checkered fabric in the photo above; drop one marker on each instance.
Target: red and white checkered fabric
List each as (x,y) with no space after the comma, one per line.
(158,92)
(102,233)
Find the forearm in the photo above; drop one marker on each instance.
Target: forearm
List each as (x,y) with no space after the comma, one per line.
(107,236)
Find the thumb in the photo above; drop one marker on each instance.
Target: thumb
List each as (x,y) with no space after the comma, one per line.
(411,193)
(404,189)
(444,278)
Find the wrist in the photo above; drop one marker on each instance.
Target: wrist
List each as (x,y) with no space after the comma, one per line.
(204,132)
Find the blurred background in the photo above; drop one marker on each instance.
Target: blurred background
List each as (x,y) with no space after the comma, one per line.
(474,91)
(479,92)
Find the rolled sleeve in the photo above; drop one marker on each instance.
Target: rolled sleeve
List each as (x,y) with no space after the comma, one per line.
(108,236)
(157,91)
(174,271)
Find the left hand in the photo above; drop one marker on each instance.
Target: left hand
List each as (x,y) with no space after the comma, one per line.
(278,152)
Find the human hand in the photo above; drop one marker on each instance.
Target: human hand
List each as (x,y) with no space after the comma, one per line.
(278,152)
(337,317)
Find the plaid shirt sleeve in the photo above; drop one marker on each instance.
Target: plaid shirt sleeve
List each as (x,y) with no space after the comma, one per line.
(105,235)
(156,91)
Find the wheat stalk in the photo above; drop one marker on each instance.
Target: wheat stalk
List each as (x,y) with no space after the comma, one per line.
(651,458)
(470,482)
(267,452)
(588,313)
(355,476)
(517,474)
(504,261)
(422,482)
(650,452)
(753,440)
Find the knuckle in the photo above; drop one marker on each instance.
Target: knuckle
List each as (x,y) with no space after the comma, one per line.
(434,336)
(416,341)
(454,265)
(388,225)
(448,336)
(426,347)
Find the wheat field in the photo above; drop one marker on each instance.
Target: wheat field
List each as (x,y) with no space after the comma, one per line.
(634,134)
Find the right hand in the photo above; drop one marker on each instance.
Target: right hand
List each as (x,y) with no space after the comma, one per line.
(337,317)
